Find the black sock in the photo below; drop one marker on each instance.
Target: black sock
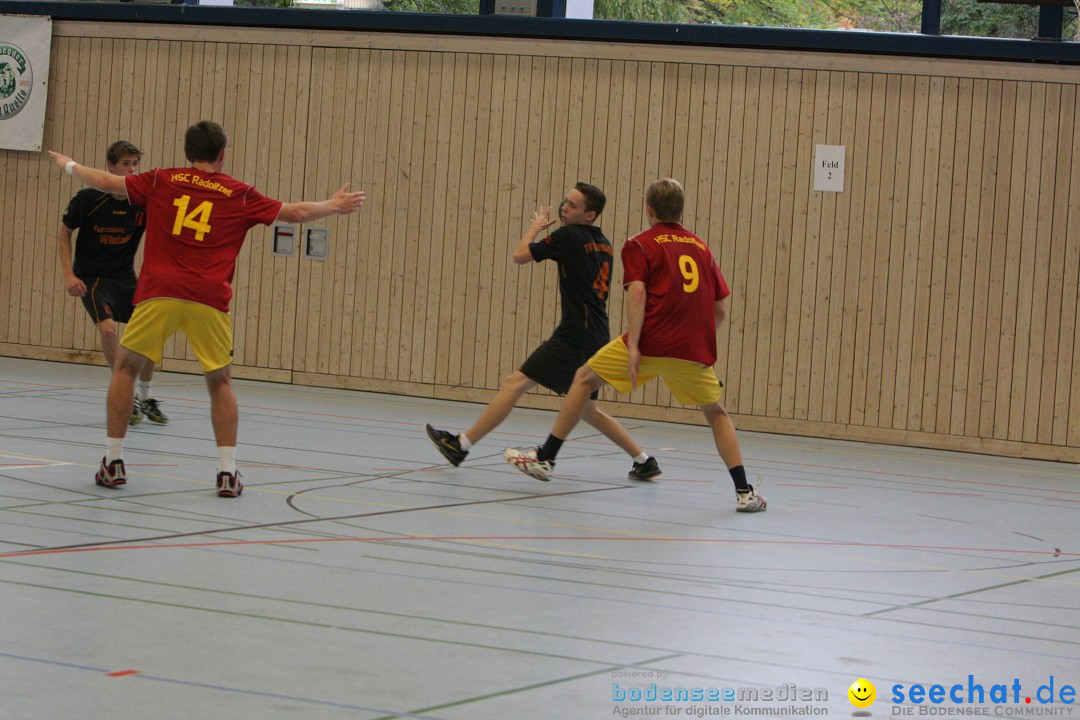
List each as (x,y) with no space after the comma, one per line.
(550,448)
(738,474)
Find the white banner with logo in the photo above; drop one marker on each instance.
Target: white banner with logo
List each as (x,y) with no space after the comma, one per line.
(25,43)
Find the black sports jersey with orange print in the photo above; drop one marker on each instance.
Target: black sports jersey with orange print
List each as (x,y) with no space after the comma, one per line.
(109,231)
(584,258)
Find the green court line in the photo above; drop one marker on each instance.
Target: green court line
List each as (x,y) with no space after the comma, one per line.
(976,591)
(534,686)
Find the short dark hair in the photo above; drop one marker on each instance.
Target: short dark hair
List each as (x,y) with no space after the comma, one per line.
(204,141)
(666,199)
(594,197)
(120,150)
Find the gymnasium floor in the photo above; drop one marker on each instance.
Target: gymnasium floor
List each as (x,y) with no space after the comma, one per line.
(360,577)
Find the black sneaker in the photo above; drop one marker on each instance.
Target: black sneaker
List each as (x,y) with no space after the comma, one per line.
(153,413)
(448,445)
(644,471)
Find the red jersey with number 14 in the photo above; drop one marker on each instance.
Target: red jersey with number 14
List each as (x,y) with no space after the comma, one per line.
(682,285)
(196,223)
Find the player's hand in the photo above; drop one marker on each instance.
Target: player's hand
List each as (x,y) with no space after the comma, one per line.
(540,219)
(635,361)
(75,286)
(60,159)
(346,202)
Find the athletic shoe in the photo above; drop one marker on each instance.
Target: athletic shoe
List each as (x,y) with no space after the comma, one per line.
(749,501)
(448,444)
(111,475)
(229,485)
(136,415)
(644,471)
(527,462)
(152,412)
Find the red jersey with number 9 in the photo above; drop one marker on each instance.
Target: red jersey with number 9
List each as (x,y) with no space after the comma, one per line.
(196,223)
(682,285)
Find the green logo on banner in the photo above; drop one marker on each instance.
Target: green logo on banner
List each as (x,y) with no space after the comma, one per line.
(16,80)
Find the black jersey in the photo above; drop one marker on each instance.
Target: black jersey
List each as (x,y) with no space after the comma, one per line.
(109,234)
(583,255)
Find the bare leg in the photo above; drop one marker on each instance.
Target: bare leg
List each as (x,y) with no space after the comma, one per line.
(122,390)
(109,341)
(513,387)
(723,428)
(223,410)
(147,373)
(610,427)
(573,407)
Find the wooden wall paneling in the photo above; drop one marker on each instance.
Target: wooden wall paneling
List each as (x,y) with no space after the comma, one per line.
(259,107)
(796,228)
(81,147)
(337,292)
(733,249)
(989,127)
(375,307)
(805,395)
(403,93)
(1035,107)
(493,261)
(506,211)
(421,190)
(761,248)
(353,148)
(437,331)
(620,203)
(1038,380)
(936,252)
(275,157)
(823,379)
(650,92)
(245,307)
(859,98)
(8,165)
(991,377)
(477,287)
(1061,353)
(309,296)
(784,147)
(971,115)
(910,241)
(44,237)
(415,123)
(923,243)
(869,219)
(1067,408)
(545,303)
(1013,276)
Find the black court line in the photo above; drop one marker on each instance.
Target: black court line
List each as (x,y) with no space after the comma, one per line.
(286,523)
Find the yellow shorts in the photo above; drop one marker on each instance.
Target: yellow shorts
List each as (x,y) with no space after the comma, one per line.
(209,331)
(691,383)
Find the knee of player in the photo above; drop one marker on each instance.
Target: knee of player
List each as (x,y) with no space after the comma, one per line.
(108,332)
(585,375)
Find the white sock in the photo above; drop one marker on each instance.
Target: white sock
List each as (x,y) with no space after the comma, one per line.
(642,457)
(226,459)
(114,449)
(144,390)
(464,441)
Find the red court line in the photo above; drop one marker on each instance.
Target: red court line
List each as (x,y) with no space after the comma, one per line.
(815,487)
(122,673)
(519,538)
(937,492)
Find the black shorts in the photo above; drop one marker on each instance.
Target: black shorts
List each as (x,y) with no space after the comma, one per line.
(108,297)
(555,363)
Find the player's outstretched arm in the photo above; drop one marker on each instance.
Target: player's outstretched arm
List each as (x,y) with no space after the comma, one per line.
(342,202)
(540,222)
(104,181)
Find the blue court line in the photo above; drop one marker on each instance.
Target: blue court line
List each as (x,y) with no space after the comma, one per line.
(206,686)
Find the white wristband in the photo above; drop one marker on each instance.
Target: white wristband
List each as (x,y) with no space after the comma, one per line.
(70,167)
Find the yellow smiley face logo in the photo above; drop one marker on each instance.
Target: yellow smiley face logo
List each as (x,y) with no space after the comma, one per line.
(862,693)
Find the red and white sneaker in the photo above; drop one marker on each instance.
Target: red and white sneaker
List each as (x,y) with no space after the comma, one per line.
(749,501)
(527,462)
(113,474)
(229,485)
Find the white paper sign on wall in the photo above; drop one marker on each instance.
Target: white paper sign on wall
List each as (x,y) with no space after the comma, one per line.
(829,168)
